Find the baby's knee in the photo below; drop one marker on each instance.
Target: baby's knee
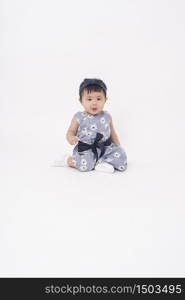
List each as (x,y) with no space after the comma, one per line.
(123,162)
(120,159)
(120,154)
(122,166)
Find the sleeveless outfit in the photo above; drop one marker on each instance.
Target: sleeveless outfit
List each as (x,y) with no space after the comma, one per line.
(95,144)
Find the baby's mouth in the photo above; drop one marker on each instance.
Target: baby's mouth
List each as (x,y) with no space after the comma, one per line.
(94,108)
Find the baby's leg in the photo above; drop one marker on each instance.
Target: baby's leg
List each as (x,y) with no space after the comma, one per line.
(83,161)
(116,156)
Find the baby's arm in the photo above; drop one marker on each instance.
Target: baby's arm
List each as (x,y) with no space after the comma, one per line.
(71,133)
(113,134)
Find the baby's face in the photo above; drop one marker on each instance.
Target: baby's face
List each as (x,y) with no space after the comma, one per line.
(93,102)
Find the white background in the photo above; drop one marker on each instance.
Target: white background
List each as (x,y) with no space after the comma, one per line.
(59,221)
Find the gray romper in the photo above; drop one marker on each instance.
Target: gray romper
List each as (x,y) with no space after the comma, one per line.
(89,126)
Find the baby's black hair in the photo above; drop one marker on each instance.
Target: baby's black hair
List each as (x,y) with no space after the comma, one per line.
(92,85)
(92,88)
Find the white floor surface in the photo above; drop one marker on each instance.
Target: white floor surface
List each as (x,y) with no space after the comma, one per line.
(61,222)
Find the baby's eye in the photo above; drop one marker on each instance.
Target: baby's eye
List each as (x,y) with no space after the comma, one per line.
(98,99)
(89,99)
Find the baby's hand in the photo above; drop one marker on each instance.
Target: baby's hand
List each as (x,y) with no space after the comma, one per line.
(73,140)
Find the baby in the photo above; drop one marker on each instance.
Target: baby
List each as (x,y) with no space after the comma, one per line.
(97,146)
